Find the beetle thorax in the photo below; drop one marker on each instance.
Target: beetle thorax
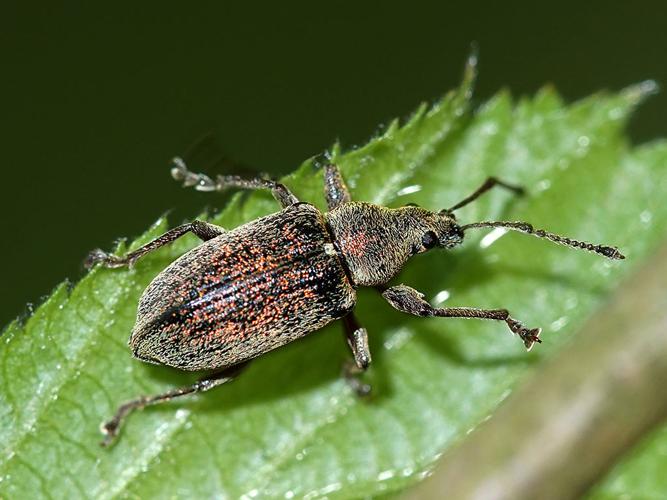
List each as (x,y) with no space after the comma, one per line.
(375,242)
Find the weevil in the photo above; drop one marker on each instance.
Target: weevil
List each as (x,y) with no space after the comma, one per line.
(244,292)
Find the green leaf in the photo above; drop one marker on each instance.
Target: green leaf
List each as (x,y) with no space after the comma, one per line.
(290,427)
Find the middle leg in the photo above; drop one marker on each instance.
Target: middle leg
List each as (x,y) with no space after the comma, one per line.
(357,340)
(202,182)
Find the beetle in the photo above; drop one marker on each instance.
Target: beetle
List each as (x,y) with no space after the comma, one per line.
(242,293)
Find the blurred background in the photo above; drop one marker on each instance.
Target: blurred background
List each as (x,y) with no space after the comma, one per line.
(96,98)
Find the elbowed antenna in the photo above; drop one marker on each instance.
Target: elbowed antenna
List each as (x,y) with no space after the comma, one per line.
(524,227)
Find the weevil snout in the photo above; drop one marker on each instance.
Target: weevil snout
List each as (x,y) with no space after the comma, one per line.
(452,236)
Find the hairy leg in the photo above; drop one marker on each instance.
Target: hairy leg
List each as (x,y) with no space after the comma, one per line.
(111,427)
(357,340)
(202,182)
(409,300)
(202,229)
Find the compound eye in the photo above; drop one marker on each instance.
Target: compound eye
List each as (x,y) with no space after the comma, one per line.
(429,240)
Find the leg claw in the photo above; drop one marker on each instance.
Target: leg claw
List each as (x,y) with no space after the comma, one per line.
(530,337)
(95,257)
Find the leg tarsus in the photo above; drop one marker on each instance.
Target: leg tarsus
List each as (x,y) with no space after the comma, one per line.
(111,427)
(335,190)
(357,339)
(409,300)
(204,230)
(488,184)
(202,182)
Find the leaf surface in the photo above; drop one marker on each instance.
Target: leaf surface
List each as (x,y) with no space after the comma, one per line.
(290,427)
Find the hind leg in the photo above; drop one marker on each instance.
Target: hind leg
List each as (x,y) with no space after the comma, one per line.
(111,427)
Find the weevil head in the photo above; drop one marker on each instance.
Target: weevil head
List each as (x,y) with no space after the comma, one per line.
(376,241)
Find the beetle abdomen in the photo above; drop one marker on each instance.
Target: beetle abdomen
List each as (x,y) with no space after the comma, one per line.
(243,293)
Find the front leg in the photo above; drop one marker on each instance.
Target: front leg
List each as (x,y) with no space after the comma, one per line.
(409,300)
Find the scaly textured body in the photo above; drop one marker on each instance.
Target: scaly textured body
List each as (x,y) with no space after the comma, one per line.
(243,293)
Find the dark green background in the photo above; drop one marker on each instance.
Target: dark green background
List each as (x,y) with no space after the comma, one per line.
(96,98)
